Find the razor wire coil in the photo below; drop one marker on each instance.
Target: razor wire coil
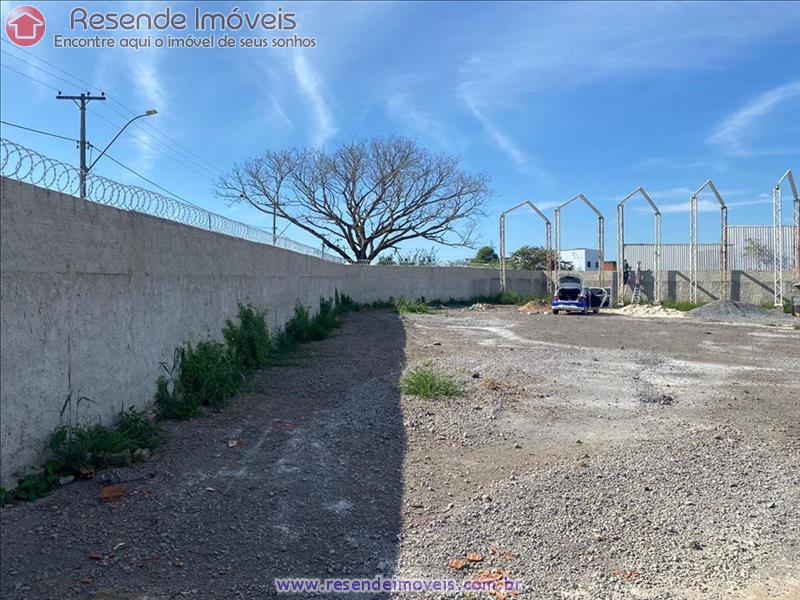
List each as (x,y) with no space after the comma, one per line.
(26,165)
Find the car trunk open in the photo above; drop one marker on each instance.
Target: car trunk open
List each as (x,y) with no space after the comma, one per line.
(568,294)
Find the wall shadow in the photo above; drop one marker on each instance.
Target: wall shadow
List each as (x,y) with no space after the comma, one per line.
(740,279)
(677,280)
(337,474)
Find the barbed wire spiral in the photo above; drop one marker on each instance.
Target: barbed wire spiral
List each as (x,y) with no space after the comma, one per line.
(23,164)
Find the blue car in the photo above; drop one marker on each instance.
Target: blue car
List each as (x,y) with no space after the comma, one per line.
(571,296)
(571,299)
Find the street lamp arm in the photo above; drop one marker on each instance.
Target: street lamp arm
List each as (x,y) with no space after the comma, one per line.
(119,133)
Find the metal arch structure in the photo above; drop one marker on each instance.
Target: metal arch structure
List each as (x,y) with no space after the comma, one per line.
(723,242)
(548,245)
(621,245)
(777,235)
(600,234)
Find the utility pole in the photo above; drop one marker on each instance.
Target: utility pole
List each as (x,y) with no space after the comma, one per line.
(81,101)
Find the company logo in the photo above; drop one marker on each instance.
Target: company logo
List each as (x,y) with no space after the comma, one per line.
(25,25)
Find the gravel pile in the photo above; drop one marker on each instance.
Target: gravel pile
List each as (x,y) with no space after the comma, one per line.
(730,311)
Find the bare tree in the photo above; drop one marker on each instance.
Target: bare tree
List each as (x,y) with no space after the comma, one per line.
(364,197)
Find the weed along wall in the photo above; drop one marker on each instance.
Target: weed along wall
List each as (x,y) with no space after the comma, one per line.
(94,298)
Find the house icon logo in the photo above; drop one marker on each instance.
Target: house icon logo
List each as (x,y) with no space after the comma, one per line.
(25,25)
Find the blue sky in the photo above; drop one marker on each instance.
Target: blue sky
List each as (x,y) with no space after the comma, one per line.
(548,99)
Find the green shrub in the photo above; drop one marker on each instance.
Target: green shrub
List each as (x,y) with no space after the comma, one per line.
(298,328)
(325,322)
(76,447)
(33,486)
(171,404)
(248,341)
(6,496)
(787,305)
(342,303)
(405,306)
(426,381)
(209,375)
(139,429)
(384,305)
(513,298)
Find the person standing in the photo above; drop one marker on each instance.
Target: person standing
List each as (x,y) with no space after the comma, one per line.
(638,277)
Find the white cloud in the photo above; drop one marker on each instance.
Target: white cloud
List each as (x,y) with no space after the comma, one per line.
(522,160)
(144,68)
(568,45)
(663,163)
(706,206)
(670,193)
(419,121)
(277,113)
(732,132)
(310,86)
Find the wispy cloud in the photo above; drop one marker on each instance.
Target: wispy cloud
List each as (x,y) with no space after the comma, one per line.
(676,200)
(663,163)
(706,206)
(309,83)
(144,69)
(565,46)
(522,160)
(419,121)
(731,134)
(276,112)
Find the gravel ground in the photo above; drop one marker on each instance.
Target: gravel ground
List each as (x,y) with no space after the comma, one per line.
(589,457)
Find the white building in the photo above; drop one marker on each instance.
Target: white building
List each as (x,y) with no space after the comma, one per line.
(582,259)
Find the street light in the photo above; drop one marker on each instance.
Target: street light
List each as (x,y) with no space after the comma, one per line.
(148,113)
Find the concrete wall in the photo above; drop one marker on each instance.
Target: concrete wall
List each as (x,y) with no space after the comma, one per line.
(93,299)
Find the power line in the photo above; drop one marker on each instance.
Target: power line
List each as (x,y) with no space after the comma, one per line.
(165,190)
(29,77)
(151,182)
(205,164)
(100,116)
(55,135)
(178,153)
(38,68)
(57,68)
(184,165)
(146,143)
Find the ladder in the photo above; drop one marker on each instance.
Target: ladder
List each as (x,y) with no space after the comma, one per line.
(636,294)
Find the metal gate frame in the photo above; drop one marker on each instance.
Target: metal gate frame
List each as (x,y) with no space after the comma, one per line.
(600,234)
(777,236)
(723,243)
(548,247)
(621,245)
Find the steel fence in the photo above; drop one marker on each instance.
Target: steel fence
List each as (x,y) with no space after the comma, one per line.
(23,164)
(749,249)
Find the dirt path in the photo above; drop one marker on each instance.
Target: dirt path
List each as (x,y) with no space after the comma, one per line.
(590,457)
(312,489)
